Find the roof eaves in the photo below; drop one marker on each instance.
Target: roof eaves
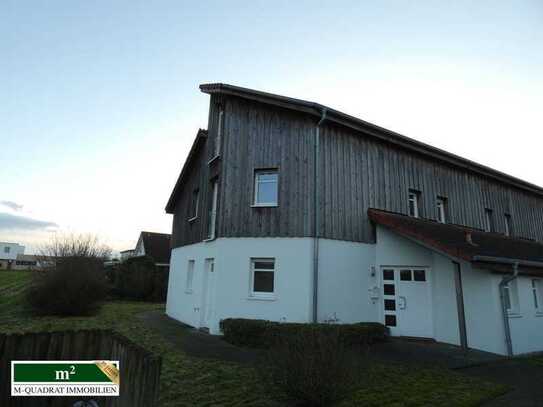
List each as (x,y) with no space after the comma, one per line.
(371,129)
(201,135)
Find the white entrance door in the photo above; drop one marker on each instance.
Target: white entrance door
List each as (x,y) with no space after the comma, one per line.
(208,299)
(406,301)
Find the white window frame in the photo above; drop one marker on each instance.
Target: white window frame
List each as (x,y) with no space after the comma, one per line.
(489,220)
(211,227)
(260,294)
(537,295)
(508,226)
(219,134)
(190,276)
(511,292)
(257,173)
(414,197)
(441,204)
(195,205)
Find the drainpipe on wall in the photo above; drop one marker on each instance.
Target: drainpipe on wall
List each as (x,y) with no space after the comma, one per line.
(503,283)
(506,280)
(316,220)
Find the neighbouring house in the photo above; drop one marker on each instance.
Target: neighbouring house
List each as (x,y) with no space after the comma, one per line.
(126,254)
(288,210)
(8,254)
(155,245)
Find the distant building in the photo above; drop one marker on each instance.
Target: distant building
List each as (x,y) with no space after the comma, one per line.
(126,254)
(155,245)
(8,254)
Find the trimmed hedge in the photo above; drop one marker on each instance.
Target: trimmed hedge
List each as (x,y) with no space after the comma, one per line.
(259,333)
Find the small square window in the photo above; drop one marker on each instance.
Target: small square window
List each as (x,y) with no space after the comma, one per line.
(262,277)
(414,198)
(536,287)
(441,210)
(190,276)
(266,188)
(489,220)
(390,320)
(388,274)
(405,275)
(390,305)
(389,289)
(419,275)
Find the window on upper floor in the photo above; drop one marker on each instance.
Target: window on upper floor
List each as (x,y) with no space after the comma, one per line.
(262,277)
(7,249)
(195,204)
(212,216)
(266,188)
(441,206)
(489,220)
(508,225)
(218,138)
(537,294)
(414,203)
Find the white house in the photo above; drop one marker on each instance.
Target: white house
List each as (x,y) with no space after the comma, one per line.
(384,229)
(9,253)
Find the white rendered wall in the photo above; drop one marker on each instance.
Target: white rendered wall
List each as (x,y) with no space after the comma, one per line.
(527,324)
(293,280)
(344,280)
(14,250)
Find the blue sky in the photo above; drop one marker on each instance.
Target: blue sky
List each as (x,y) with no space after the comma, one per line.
(99,100)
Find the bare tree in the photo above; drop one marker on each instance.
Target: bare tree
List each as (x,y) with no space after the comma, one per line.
(75,245)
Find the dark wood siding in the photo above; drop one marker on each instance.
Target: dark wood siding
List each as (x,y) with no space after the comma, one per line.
(357,172)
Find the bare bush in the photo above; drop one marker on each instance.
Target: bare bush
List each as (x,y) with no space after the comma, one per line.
(73,282)
(313,366)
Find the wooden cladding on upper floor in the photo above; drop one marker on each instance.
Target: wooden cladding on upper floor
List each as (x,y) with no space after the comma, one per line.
(357,172)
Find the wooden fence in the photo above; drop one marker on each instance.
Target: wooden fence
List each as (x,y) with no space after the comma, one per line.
(139,369)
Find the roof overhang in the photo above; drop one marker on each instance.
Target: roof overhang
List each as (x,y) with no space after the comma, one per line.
(489,251)
(199,141)
(378,132)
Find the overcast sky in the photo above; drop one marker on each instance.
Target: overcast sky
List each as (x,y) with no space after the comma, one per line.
(99,100)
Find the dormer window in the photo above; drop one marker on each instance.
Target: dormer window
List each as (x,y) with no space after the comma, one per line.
(414,198)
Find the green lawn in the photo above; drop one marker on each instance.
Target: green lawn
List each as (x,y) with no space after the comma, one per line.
(188,381)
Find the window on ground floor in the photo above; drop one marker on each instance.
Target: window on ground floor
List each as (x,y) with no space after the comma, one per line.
(262,277)
(536,292)
(190,276)
(511,297)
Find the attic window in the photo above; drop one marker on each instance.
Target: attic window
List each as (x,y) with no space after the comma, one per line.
(195,204)
(218,138)
(414,198)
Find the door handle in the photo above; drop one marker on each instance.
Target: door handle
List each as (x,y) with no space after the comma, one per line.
(402,302)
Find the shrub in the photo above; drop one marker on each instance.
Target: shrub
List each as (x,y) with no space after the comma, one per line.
(73,286)
(313,366)
(264,334)
(73,282)
(139,279)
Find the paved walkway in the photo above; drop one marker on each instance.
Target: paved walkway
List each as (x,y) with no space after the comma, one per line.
(526,379)
(196,343)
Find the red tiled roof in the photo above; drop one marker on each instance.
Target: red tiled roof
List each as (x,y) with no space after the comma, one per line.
(458,241)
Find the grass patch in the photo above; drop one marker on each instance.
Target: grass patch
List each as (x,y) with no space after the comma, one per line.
(188,381)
